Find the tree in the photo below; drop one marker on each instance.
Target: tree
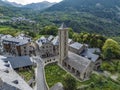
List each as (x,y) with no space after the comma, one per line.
(111,49)
(70,83)
(49,30)
(70,31)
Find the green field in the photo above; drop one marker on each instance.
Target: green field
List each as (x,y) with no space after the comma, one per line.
(55,74)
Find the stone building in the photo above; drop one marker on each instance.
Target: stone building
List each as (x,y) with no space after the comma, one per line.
(77,47)
(23,36)
(55,43)
(77,65)
(63,43)
(91,54)
(17,47)
(45,47)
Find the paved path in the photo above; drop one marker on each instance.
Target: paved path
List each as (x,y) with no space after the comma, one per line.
(40,79)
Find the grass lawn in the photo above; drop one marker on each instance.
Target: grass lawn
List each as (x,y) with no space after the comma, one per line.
(27,74)
(55,74)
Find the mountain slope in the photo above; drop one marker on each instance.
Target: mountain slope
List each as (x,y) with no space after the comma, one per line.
(2,3)
(39,6)
(96,7)
(95,16)
(13,3)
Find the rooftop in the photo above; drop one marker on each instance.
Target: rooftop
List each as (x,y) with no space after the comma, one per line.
(12,81)
(18,62)
(9,79)
(56,41)
(24,37)
(94,50)
(78,62)
(90,56)
(76,45)
(16,41)
(50,37)
(43,40)
(3,64)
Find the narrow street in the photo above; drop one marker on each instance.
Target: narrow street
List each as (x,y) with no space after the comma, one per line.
(40,79)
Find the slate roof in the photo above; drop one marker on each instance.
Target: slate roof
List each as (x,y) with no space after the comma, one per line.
(6,36)
(89,55)
(16,41)
(9,78)
(18,62)
(3,64)
(1,35)
(93,50)
(43,40)
(56,40)
(78,62)
(6,86)
(76,45)
(50,37)
(24,37)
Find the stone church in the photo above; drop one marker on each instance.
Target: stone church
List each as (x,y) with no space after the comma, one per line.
(77,65)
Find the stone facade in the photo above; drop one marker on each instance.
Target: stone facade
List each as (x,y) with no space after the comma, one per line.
(17,47)
(45,47)
(63,43)
(77,65)
(48,46)
(77,47)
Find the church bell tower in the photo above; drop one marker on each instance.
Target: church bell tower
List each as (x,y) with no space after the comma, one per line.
(63,43)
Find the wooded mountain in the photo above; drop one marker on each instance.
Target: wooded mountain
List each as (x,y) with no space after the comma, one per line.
(4,3)
(39,6)
(100,8)
(12,3)
(99,16)
(94,16)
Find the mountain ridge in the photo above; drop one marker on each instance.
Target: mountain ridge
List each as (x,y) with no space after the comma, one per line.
(39,6)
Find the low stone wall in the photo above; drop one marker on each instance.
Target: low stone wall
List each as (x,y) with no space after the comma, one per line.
(50,60)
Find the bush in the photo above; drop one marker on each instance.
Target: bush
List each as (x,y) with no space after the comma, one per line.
(70,83)
(92,85)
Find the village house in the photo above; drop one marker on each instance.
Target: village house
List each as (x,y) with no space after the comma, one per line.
(45,47)
(17,47)
(77,47)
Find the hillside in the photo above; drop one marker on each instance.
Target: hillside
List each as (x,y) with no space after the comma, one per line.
(13,3)
(101,8)
(3,3)
(99,16)
(39,6)
(93,16)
